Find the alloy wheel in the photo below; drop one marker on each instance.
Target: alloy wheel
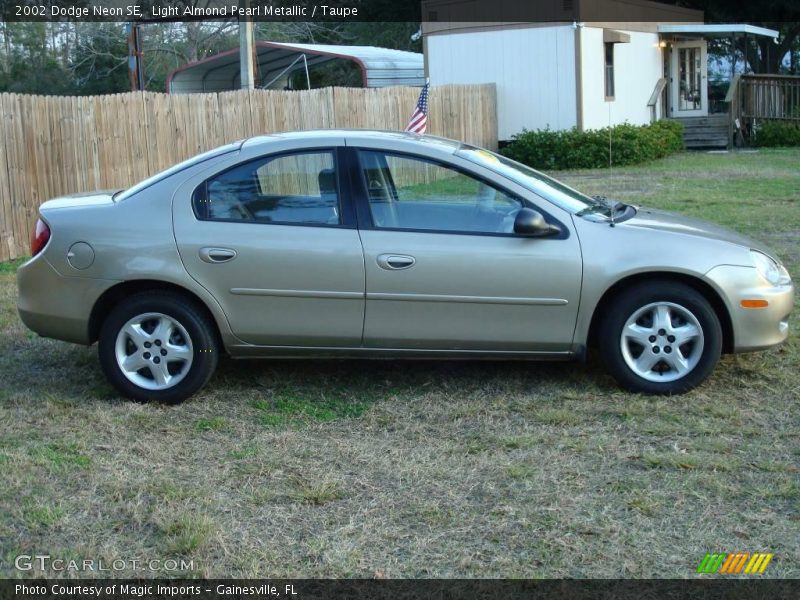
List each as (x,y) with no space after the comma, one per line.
(662,342)
(154,351)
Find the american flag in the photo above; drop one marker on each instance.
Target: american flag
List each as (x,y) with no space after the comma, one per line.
(419,120)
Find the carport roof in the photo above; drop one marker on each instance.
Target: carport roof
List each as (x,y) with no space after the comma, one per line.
(719,29)
(380,67)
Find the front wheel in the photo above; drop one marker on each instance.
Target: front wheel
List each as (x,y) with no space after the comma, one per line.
(157,346)
(660,338)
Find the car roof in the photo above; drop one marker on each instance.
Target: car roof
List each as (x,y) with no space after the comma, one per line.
(354,136)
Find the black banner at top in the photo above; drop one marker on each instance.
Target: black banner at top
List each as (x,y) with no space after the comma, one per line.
(416,11)
(187,10)
(484,11)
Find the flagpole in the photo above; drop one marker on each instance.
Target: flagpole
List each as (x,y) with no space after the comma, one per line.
(428,85)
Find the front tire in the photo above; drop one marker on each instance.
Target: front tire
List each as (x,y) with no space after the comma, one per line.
(157,346)
(660,338)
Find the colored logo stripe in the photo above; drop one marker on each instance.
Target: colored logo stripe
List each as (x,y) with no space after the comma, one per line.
(758,563)
(734,563)
(711,563)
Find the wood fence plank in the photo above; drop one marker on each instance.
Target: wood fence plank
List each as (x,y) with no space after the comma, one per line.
(58,145)
(8,240)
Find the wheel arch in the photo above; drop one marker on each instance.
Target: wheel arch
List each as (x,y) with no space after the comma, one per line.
(702,287)
(113,295)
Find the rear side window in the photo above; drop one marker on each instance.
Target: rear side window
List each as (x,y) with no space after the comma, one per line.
(299,188)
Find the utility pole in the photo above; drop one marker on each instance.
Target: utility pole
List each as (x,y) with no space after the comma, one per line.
(135,70)
(246,49)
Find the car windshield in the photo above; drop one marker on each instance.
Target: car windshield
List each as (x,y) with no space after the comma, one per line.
(561,194)
(123,194)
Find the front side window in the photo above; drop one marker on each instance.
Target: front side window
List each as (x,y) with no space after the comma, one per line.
(414,193)
(293,188)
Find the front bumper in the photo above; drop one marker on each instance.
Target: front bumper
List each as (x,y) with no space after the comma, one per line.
(55,306)
(754,328)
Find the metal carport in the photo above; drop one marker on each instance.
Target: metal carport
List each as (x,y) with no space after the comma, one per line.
(275,61)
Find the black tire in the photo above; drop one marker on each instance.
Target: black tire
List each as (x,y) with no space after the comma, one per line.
(201,346)
(677,297)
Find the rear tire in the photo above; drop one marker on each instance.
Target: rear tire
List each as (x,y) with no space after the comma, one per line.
(660,338)
(158,346)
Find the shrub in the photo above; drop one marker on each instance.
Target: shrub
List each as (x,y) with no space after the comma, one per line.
(573,149)
(777,133)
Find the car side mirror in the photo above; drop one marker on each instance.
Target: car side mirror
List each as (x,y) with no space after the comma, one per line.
(531,223)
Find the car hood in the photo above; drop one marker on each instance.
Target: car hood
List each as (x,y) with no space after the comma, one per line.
(97,198)
(650,218)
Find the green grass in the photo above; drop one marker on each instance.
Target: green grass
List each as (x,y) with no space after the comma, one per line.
(295,408)
(521,471)
(186,534)
(316,493)
(60,455)
(11,265)
(42,517)
(209,424)
(422,469)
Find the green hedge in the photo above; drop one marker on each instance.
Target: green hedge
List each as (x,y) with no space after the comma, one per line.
(573,149)
(777,133)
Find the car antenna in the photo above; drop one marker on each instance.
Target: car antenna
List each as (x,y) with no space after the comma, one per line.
(610,171)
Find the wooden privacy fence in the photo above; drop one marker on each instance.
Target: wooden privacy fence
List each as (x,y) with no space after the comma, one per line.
(52,145)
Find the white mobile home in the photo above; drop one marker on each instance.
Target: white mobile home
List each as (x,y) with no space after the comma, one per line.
(581,63)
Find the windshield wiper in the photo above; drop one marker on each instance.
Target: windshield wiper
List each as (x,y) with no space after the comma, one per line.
(594,208)
(603,205)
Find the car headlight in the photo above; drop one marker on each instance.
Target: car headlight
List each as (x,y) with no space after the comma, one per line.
(770,269)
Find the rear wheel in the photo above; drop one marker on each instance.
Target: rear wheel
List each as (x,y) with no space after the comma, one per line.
(660,338)
(157,346)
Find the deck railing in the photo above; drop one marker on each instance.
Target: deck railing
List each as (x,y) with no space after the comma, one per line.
(770,97)
(658,98)
(755,98)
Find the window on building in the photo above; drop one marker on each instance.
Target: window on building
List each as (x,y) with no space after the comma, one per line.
(609,65)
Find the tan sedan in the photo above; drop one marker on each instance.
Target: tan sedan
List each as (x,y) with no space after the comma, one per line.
(379,244)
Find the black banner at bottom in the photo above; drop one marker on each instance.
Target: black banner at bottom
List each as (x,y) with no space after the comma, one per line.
(427,589)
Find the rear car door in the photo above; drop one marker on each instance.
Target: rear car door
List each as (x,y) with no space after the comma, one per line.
(273,238)
(444,269)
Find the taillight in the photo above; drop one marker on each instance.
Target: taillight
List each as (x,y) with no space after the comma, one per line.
(40,237)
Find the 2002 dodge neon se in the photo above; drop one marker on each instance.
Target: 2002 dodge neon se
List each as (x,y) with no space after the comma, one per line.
(362,243)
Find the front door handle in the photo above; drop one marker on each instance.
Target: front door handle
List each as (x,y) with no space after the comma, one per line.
(395,262)
(217,255)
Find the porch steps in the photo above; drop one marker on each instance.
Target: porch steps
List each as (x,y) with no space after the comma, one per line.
(705,132)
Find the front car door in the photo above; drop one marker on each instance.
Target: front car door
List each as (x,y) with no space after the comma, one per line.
(444,269)
(273,238)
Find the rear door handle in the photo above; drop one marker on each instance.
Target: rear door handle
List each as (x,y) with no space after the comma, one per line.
(217,255)
(395,262)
